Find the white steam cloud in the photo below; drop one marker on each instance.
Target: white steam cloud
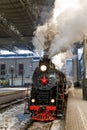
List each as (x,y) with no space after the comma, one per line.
(67,26)
(61,58)
(71,24)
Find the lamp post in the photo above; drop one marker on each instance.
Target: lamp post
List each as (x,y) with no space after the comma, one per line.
(22,76)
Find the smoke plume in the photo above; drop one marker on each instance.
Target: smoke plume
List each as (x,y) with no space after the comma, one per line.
(61,58)
(67,26)
(71,25)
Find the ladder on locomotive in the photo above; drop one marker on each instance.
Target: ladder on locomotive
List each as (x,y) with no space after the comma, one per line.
(60,100)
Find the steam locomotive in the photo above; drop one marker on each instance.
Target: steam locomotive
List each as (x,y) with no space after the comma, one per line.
(47,99)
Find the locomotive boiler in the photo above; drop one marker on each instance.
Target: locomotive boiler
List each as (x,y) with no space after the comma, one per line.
(47,99)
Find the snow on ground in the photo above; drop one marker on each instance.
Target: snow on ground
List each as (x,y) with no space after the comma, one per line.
(58,125)
(9,120)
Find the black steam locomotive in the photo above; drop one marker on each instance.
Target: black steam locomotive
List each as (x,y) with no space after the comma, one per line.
(48,92)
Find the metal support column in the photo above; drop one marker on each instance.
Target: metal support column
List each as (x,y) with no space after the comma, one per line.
(75,70)
(85,71)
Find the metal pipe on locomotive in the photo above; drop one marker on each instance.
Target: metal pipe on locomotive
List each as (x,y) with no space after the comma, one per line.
(47,99)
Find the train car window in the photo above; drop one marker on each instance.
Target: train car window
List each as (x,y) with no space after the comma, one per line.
(3,67)
(21,69)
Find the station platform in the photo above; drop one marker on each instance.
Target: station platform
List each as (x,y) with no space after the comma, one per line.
(4,91)
(11,94)
(76,115)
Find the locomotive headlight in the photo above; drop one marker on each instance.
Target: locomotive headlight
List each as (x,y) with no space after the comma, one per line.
(33,100)
(52,100)
(43,67)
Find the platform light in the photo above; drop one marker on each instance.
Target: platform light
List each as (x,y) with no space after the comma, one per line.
(43,68)
(33,100)
(52,100)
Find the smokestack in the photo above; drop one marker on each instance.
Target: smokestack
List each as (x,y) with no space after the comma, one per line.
(46,53)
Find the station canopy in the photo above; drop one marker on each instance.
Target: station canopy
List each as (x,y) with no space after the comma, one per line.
(18,21)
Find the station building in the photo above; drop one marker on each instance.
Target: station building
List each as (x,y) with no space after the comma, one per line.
(17,69)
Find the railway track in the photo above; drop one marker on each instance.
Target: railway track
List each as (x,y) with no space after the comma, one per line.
(5,106)
(54,125)
(39,126)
